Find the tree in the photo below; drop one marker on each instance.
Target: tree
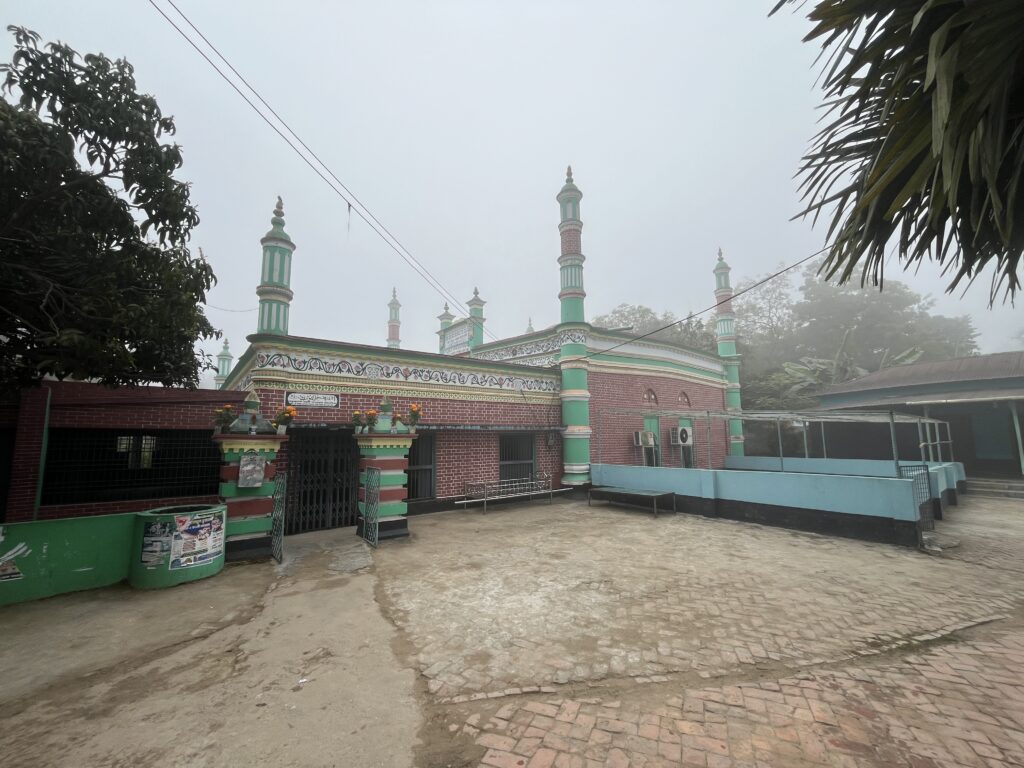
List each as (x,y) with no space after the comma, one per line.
(95,283)
(923,142)
(794,348)
(637,319)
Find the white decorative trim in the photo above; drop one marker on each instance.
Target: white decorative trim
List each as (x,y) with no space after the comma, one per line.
(577,432)
(551,343)
(356,368)
(574,394)
(575,469)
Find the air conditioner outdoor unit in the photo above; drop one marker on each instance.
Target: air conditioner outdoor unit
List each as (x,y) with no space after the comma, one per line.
(648,439)
(685,436)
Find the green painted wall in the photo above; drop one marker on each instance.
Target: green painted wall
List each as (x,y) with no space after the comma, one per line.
(66,555)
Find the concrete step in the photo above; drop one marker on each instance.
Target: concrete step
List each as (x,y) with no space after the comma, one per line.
(1003,484)
(993,493)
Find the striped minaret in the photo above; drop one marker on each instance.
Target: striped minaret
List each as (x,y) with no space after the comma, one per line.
(575,392)
(275,280)
(394,323)
(725,330)
(223,366)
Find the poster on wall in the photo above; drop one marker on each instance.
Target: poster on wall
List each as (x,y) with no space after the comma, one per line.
(9,570)
(250,469)
(197,540)
(156,542)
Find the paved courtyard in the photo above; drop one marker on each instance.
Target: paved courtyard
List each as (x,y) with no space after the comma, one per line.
(585,637)
(538,636)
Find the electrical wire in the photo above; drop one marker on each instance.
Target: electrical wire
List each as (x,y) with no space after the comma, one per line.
(360,209)
(704,311)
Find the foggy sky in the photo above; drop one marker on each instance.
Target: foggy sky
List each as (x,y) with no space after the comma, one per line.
(454,121)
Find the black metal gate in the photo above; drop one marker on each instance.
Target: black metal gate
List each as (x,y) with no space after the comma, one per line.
(371,505)
(323,479)
(922,492)
(277,520)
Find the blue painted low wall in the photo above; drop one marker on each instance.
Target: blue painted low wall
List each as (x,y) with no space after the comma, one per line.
(885,497)
(943,475)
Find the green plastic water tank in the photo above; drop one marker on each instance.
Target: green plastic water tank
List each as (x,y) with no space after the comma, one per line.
(173,545)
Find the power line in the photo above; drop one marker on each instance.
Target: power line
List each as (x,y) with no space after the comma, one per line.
(704,311)
(447,294)
(360,209)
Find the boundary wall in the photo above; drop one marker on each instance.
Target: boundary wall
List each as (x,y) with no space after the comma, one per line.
(871,508)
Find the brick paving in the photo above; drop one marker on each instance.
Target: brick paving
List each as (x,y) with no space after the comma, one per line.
(561,636)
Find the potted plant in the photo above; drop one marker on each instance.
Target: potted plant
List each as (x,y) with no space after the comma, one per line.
(358,421)
(224,417)
(371,418)
(415,412)
(285,417)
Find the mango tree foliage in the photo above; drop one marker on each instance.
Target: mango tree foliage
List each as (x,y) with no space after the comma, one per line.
(96,278)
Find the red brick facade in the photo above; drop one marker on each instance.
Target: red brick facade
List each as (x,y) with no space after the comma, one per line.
(612,440)
(462,455)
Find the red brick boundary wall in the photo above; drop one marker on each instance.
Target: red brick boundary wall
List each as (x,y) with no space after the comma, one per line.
(92,406)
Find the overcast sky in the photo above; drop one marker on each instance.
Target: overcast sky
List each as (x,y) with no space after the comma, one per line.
(454,121)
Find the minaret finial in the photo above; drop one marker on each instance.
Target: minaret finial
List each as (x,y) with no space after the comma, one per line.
(279,209)
(394,293)
(529,325)
(446,306)
(568,174)
(720,256)
(476,292)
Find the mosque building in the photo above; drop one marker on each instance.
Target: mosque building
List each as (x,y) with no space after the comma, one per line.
(550,401)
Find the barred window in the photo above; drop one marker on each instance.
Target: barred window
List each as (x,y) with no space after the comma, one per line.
(88,465)
(515,456)
(421,467)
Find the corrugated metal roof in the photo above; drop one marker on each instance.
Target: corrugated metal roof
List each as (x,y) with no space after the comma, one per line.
(935,398)
(1001,365)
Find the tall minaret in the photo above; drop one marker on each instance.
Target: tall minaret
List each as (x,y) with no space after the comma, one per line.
(725,330)
(476,319)
(575,392)
(446,318)
(394,323)
(274,291)
(223,366)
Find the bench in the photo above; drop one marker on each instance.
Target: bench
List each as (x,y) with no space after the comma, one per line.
(518,488)
(609,493)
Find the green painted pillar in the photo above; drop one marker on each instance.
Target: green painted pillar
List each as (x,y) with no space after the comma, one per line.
(575,393)
(476,320)
(224,359)
(725,331)
(446,318)
(274,289)
(247,481)
(389,452)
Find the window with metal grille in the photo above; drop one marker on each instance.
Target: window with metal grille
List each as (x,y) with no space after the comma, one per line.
(421,466)
(85,465)
(515,456)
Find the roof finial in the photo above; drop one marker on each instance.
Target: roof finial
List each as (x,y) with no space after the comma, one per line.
(446,306)
(279,209)
(568,174)
(529,325)
(476,292)
(394,293)
(720,256)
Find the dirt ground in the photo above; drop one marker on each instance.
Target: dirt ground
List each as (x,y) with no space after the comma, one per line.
(262,665)
(539,636)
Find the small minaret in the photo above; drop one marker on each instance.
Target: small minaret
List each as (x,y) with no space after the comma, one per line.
(394,323)
(476,319)
(446,318)
(572,360)
(224,359)
(275,280)
(571,261)
(725,331)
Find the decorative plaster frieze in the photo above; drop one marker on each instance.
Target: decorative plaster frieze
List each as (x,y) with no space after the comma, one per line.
(537,347)
(370,370)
